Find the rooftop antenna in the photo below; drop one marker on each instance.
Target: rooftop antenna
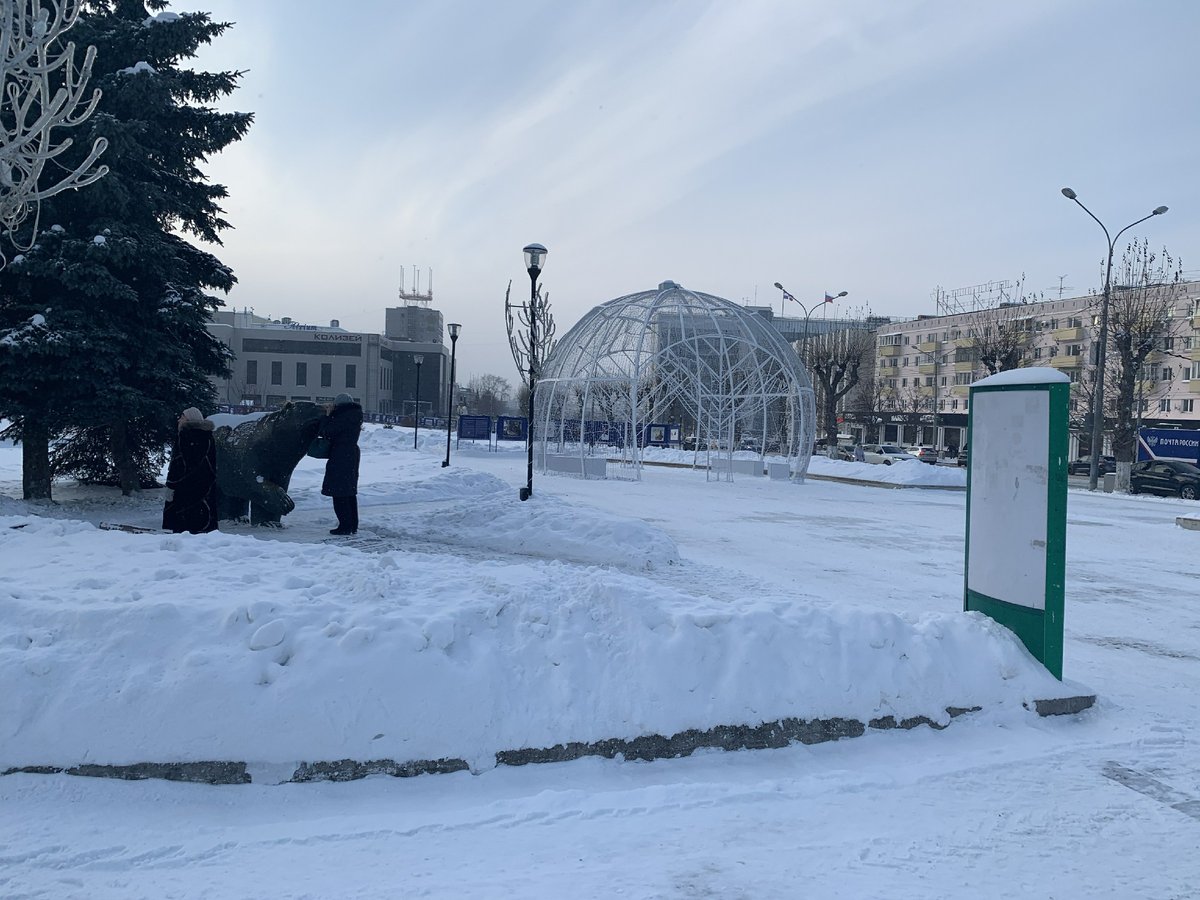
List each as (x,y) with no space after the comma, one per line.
(1061,278)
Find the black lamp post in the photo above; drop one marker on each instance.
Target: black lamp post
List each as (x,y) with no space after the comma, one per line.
(454,328)
(1101,353)
(417,360)
(535,255)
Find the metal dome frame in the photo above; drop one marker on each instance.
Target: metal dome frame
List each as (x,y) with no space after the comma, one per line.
(719,371)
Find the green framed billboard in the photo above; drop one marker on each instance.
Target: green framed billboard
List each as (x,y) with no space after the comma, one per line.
(1015,568)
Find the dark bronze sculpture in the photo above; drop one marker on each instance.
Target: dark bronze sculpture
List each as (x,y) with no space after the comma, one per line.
(255,461)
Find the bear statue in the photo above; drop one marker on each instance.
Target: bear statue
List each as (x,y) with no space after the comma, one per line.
(255,460)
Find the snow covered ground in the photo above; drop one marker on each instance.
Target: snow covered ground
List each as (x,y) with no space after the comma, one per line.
(460,622)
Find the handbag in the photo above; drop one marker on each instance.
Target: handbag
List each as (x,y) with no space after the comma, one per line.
(319,448)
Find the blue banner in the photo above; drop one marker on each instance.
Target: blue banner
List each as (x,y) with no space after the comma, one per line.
(475,428)
(1168,443)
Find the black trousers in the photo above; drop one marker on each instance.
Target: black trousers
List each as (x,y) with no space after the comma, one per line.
(346,510)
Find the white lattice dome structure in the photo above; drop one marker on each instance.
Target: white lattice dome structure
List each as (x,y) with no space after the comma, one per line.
(674,367)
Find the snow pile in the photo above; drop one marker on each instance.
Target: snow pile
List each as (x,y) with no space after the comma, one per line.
(224,647)
(910,472)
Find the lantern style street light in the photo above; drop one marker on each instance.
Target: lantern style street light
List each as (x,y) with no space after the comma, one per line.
(527,347)
(1101,354)
(454,328)
(417,360)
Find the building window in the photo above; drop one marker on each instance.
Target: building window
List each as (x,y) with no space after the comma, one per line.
(903,382)
(1164,405)
(928,381)
(252,371)
(301,373)
(277,372)
(1167,373)
(1073,349)
(351,375)
(1037,352)
(326,374)
(954,404)
(1168,343)
(1186,405)
(943,381)
(1073,375)
(1185,373)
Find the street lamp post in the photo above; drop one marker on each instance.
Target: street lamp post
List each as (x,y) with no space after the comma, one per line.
(454,329)
(787,295)
(417,360)
(1101,354)
(808,312)
(535,254)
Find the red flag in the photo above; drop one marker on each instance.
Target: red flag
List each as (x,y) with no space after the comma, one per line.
(829,298)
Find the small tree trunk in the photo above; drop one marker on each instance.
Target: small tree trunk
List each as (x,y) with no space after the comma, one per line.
(35,460)
(127,471)
(1123,469)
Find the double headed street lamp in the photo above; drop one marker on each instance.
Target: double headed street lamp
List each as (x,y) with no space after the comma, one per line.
(454,328)
(1098,393)
(829,298)
(417,360)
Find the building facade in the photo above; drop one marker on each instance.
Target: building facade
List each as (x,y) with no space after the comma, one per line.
(277,360)
(923,367)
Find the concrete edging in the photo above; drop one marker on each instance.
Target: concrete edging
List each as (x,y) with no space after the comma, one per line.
(768,735)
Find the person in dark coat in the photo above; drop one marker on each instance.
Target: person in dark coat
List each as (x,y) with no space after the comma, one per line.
(341,424)
(192,477)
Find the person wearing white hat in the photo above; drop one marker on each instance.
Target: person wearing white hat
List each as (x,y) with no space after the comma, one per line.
(191,503)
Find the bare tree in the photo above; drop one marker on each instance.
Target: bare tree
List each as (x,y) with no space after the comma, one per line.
(1147,287)
(41,91)
(1001,336)
(835,359)
(489,394)
(863,404)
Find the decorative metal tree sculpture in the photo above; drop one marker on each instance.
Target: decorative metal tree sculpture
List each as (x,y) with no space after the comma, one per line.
(33,60)
(531,337)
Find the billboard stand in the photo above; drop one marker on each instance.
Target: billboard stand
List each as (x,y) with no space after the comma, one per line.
(1017,506)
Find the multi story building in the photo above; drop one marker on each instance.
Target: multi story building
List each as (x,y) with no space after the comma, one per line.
(277,360)
(923,367)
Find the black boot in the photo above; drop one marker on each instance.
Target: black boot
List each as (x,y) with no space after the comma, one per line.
(346,510)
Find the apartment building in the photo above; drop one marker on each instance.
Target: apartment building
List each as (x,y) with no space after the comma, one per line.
(923,367)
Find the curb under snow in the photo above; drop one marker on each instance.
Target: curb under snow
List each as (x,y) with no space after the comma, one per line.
(768,735)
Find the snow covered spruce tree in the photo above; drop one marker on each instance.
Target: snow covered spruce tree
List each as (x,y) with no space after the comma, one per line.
(102,322)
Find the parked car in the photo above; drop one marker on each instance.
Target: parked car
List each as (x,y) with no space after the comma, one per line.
(963,455)
(1083,465)
(1168,477)
(926,455)
(885,454)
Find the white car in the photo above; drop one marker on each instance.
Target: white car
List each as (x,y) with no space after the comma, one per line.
(885,454)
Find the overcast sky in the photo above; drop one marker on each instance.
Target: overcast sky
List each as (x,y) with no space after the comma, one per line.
(881,147)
